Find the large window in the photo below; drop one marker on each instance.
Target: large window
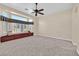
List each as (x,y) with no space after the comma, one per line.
(0,28)
(11,28)
(18,17)
(19,28)
(4,24)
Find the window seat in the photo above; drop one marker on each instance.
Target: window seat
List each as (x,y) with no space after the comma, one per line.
(15,36)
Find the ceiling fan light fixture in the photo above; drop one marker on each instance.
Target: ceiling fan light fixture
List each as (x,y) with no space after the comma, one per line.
(36,11)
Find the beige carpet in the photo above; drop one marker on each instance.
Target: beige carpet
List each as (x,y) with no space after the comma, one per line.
(38,46)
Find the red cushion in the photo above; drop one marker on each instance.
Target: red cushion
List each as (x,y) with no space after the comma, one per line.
(15,36)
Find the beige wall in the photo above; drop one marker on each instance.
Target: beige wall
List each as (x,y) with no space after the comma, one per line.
(75,26)
(57,25)
(35,26)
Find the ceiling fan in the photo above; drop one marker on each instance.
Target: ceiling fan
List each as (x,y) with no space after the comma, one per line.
(37,11)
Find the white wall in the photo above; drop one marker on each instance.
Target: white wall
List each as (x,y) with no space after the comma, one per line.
(57,25)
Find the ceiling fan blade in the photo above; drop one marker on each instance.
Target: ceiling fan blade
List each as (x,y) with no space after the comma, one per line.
(41,13)
(41,9)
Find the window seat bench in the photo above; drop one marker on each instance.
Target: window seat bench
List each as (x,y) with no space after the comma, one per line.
(15,36)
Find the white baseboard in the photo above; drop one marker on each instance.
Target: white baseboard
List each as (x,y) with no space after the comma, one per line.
(74,43)
(62,38)
(58,37)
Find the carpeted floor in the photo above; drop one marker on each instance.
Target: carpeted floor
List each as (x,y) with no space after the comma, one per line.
(38,46)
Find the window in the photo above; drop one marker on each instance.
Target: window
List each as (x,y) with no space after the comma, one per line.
(17,27)
(5,26)
(18,17)
(5,14)
(21,27)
